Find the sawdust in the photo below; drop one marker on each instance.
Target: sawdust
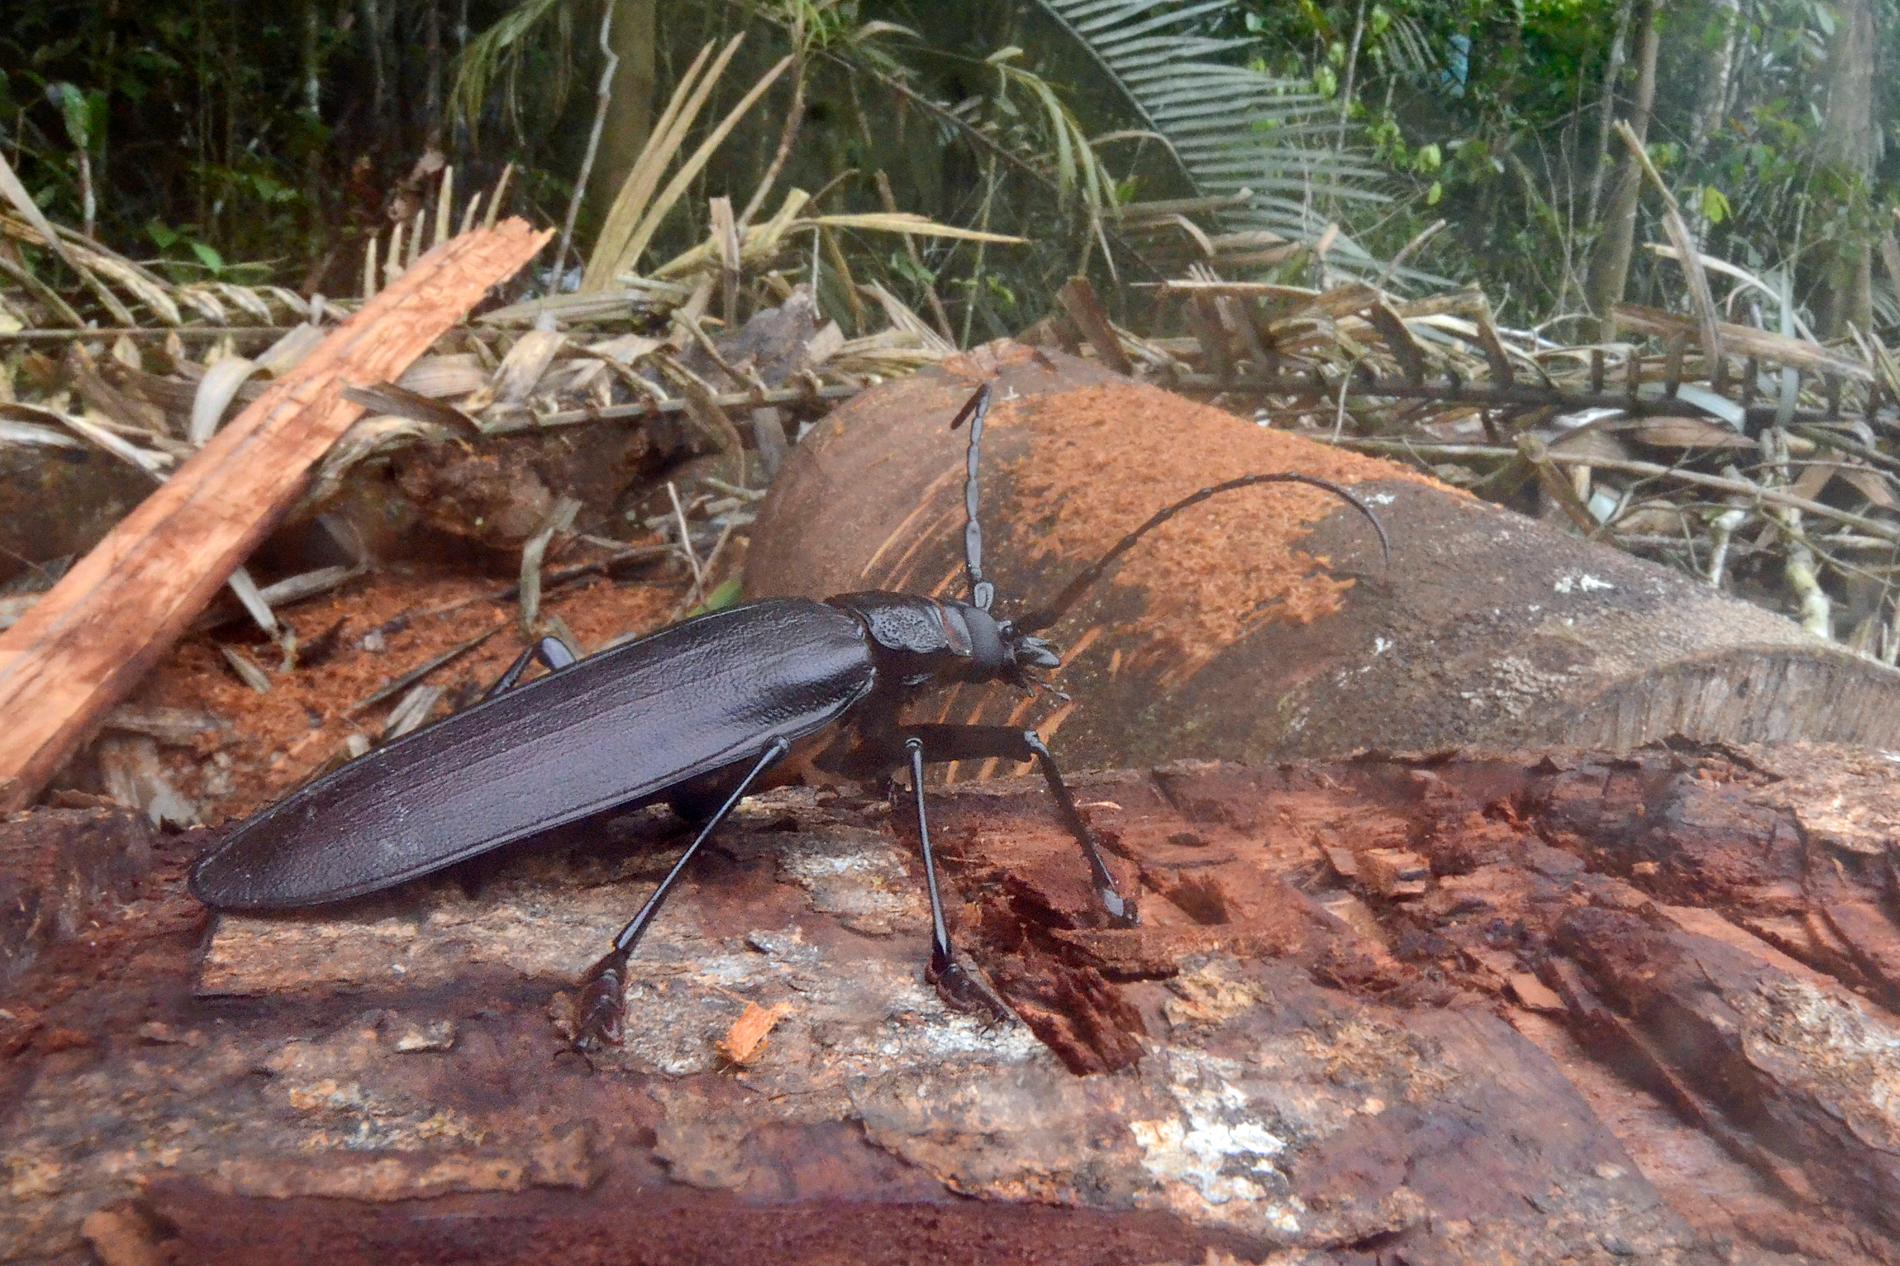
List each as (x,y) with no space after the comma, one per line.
(376,629)
(1103,459)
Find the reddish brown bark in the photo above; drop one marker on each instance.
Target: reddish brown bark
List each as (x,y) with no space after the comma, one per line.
(1468,1009)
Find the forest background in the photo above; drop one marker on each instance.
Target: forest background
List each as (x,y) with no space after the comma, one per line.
(1471,141)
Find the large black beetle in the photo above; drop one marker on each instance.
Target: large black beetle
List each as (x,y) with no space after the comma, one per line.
(699,715)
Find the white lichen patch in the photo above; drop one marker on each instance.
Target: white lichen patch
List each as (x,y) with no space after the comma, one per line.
(411,1039)
(1835,1051)
(1216,1149)
(321,1079)
(854,874)
(1580,582)
(787,946)
(672,1026)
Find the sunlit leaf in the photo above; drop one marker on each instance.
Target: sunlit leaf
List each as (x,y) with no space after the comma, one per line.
(719,599)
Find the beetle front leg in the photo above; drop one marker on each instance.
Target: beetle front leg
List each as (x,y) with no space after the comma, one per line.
(981,742)
(600,1014)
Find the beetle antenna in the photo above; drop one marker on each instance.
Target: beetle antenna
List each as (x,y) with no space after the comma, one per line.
(1044,616)
(982,592)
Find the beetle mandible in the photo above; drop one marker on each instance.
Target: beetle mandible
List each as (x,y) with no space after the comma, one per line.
(699,714)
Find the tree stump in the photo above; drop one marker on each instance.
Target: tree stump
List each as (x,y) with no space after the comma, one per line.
(1483,1009)
(1262,624)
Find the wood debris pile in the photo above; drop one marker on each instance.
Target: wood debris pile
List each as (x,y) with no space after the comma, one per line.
(576,395)
(534,433)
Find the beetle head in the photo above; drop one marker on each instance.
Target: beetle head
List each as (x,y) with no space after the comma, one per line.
(994,650)
(1027,653)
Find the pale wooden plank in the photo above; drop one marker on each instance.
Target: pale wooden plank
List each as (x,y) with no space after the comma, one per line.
(83,647)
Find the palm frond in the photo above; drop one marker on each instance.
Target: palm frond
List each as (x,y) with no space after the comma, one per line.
(497,54)
(1229,129)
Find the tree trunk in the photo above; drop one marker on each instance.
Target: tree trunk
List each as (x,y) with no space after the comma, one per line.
(1517,1008)
(1610,258)
(1847,150)
(630,113)
(1718,74)
(1606,108)
(1712,95)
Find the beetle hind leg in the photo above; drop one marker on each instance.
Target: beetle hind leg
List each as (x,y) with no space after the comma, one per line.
(553,653)
(600,1015)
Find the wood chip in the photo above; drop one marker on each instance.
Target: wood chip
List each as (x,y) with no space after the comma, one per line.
(744,1042)
(1393,872)
(1534,993)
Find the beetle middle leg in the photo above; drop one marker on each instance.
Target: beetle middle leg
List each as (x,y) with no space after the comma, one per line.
(980,742)
(602,1007)
(959,988)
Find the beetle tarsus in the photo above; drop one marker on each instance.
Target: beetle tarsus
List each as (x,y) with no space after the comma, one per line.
(966,991)
(600,1013)
(1121,912)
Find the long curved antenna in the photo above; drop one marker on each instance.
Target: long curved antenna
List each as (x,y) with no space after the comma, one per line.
(982,592)
(1044,616)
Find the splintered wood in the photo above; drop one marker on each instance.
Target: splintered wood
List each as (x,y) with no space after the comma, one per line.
(83,646)
(744,1042)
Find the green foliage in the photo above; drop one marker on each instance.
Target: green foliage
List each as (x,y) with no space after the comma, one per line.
(279,133)
(1509,94)
(196,117)
(1229,126)
(719,599)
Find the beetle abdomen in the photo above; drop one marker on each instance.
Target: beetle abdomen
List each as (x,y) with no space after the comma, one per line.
(614,729)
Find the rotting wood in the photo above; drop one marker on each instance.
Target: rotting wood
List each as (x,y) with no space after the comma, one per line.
(1605,1032)
(82,647)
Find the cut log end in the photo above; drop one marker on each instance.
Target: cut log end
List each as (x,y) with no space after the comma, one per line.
(1266,624)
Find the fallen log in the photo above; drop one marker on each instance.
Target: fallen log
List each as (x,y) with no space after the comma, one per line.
(85,644)
(1471,1009)
(1263,624)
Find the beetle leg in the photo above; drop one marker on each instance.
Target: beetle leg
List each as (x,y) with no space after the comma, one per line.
(602,1004)
(980,742)
(551,651)
(958,987)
